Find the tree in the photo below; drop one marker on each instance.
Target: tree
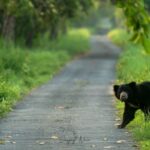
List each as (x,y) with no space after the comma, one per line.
(147,2)
(66,10)
(26,19)
(137,19)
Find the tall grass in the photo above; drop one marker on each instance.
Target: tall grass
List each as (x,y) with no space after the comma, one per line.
(74,42)
(134,65)
(119,37)
(22,69)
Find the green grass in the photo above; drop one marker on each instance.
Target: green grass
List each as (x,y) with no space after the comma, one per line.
(22,69)
(119,36)
(75,42)
(133,65)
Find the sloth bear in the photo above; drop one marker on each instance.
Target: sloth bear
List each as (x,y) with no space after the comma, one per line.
(135,96)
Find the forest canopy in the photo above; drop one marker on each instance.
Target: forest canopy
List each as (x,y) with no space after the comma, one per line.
(24,20)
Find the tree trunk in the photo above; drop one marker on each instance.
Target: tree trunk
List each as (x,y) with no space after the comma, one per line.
(1,21)
(8,28)
(54,29)
(29,38)
(63,26)
(53,32)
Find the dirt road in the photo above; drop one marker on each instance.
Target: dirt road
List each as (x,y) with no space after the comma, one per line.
(74,111)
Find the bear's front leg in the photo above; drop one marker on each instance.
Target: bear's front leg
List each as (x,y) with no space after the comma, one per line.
(128,115)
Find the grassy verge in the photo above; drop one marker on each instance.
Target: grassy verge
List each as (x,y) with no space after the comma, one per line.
(133,65)
(22,69)
(76,42)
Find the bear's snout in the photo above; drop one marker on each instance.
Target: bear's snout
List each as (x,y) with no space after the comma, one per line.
(123,96)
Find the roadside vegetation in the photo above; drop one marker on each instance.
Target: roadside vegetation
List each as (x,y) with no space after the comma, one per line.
(22,69)
(37,38)
(133,65)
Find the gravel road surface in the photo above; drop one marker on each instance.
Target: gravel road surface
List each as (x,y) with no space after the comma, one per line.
(74,111)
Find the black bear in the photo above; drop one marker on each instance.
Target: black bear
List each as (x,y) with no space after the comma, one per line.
(135,96)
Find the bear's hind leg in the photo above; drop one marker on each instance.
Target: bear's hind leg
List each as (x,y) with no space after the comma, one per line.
(146,112)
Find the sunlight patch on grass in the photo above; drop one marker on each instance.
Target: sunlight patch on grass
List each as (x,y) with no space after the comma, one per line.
(119,36)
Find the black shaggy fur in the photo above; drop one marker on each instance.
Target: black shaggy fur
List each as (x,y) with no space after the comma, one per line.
(137,96)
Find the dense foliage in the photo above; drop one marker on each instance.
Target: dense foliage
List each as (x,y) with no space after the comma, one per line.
(147,2)
(137,19)
(24,20)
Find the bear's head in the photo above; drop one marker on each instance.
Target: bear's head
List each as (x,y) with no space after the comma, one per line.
(125,92)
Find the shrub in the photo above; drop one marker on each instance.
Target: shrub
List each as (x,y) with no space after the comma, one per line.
(119,36)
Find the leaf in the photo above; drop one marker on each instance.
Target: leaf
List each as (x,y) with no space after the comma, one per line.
(117,119)
(13,142)
(117,124)
(121,141)
(134,36)
(2,141)
(54,137)
(59,107)
(108,147)
(9,136)
(42,143)
(146,44)
(93,146)
(135,145)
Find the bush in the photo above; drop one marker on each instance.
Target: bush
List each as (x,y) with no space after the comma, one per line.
(133,64)
(48,62)
(119,36)
(8,96)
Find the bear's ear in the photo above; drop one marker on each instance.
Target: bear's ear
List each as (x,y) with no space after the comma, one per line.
(132,84)
(116,87)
